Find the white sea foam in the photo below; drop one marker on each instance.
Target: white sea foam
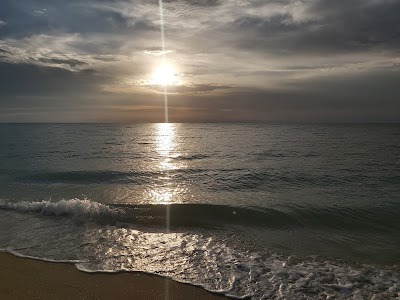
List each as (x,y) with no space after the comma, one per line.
(210,263)
(76,208)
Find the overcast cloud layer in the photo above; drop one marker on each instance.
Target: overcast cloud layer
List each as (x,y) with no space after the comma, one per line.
(236,60)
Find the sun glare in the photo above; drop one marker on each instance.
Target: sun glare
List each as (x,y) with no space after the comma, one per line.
(164,75)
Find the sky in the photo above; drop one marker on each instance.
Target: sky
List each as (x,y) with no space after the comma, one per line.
(229,60)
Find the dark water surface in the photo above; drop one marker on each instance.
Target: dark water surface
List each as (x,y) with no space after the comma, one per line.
(267,211)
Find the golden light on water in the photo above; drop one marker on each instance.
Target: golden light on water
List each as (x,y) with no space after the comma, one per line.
(166,147)
(165,144)
(163,195)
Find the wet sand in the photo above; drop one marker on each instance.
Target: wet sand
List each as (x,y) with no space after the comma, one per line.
(23,278)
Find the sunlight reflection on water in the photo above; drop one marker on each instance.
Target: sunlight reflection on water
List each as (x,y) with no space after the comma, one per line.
(166,146)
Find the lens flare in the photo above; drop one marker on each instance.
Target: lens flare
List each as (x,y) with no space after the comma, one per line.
(160,2)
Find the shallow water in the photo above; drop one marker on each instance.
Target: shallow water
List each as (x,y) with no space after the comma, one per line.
(267,211)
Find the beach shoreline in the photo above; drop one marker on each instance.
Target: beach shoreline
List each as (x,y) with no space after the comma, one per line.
(25,278)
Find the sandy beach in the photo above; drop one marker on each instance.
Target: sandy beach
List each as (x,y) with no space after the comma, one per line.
(23,278)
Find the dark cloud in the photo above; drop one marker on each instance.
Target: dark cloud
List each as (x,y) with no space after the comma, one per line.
(58,16)
(192,89)
(205,3)
(32,80)
(4,51)
(70,62)
(326,26)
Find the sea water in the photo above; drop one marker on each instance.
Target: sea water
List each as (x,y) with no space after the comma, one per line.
(247,210)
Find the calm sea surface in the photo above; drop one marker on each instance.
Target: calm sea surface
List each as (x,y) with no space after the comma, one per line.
(264,211)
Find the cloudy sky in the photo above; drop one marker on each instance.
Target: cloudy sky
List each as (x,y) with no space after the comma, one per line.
(232,60)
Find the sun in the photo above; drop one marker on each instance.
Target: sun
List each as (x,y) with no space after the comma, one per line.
(164,75)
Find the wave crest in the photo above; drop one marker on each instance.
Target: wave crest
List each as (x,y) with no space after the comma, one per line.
(76,208)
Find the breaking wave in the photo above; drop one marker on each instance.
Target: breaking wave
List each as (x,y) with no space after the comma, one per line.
(75,208)
(376,219)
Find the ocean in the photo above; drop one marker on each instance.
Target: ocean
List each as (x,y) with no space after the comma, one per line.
(254,211)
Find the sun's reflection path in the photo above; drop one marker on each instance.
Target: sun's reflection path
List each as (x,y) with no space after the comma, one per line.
(166,144)
(169,186)
(165,147)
